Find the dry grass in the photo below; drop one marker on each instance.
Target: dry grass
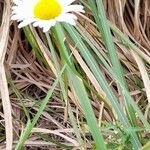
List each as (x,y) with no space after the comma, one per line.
(29,79)
(4,30)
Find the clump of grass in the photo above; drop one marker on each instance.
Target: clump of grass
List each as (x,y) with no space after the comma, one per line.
(83,87)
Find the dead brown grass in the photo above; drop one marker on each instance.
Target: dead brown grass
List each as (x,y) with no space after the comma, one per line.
(31,79)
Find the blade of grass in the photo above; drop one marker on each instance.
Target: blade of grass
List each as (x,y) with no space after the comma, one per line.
(62,85)
(31,124)
(19,97)
(144,73)
(112,74)
(146,146)
(36,49)
(104,28)
(128,43)
(95,131)
(81,94)
(102,81)
(6,103)
(107,38)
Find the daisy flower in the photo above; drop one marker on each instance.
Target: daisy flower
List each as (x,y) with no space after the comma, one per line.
(44,13)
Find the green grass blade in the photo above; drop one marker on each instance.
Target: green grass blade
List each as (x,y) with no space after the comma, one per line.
(64,90)
(95,131)
(112,74)
(104,28)
(128,43)
(35,47)
(102,81)
(31,124)
(107,37)
(87,109)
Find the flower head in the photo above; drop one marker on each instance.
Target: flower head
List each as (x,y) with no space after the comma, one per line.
(44,13)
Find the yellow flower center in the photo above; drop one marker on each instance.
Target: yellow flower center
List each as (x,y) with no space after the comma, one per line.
(47,9)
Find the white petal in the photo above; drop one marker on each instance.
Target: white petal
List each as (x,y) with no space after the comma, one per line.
(17,17)
(35,24)
(65,2)
(17,2)
(73,8)
(45,24)
(69,18)
(14,8)
(26,22)
(42,23)
(46,28)
(23,7)
(71,21)
(66,16)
